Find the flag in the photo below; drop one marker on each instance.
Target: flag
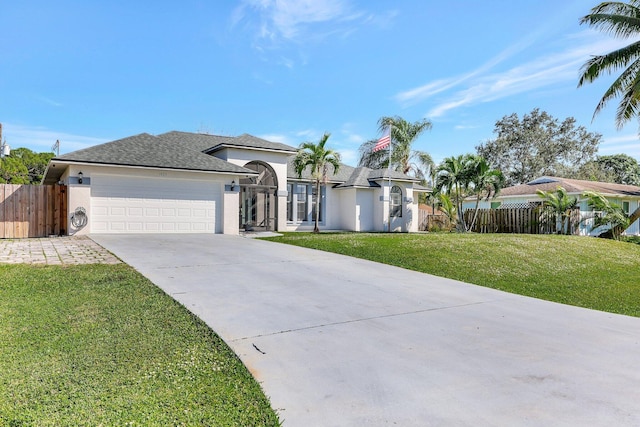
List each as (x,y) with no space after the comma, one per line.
(56,147)
(384,141)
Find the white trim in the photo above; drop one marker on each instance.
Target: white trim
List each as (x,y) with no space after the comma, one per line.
(115,165)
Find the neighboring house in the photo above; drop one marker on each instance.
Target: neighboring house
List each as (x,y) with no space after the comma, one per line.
(525,195)
(180,182)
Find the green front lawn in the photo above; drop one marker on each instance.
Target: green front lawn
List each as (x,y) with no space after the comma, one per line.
(582,271)
(100,345)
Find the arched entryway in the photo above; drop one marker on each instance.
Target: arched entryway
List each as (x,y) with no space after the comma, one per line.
(258,201)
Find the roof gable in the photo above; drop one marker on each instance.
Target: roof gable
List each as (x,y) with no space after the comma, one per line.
(195,141)
(253,143)
(348,176)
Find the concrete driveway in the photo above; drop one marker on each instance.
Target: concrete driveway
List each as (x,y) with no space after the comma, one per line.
(337,341)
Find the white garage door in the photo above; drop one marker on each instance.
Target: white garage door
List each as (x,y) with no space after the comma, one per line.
(122,204)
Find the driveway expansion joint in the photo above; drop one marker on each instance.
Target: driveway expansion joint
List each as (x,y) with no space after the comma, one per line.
(364,319)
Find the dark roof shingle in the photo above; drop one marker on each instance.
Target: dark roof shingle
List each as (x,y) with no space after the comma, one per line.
(151,151)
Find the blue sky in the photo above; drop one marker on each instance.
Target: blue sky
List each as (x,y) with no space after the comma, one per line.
(87,72)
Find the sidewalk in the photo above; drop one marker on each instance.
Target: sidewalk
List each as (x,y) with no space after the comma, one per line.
(64,250)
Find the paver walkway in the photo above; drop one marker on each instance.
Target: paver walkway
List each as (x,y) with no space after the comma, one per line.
(55,250)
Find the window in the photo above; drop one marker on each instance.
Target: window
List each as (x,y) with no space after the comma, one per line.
(301,199)
(395,204)
(495,205)
(301,202)
(625,207)
(289,202)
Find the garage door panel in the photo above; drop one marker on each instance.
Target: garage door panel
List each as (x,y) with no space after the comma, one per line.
(133,204)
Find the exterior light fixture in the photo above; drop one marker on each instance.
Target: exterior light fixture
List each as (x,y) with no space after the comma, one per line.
(233,185)
(79,177)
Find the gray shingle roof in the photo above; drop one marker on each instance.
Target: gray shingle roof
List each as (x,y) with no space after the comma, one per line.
(344,172)
(421,188)
(252,142)
(151,151)
(384,174)
(359,178)
(349,176)
(196,141)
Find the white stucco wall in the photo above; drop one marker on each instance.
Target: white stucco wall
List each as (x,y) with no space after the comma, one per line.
(78,196)
(380,208)
(410,204)
(364,209)
(335,209)
(409,219)
(346,198)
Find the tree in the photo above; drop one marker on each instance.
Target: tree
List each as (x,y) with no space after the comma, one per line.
(453,179)
(36,163)
(485,182)
(618,168)
(467,175)
(447,206)
(560,205)
(403,158)
(538,145)
(608,214)
(624,168)
(318,158)
(24,166)
(12,171)
(621,20)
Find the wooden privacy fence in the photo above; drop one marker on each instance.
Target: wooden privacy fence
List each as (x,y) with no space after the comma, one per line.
(429,222)
(32,210)
(519,220)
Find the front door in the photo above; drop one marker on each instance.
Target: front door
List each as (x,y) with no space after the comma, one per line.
(257,208)
(258,201)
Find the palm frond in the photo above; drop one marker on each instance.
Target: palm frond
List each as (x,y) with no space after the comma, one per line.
(628,106)
(403,135)
(610,63)
(621,20)
(617,25)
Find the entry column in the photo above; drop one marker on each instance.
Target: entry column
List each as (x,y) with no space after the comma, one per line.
(230,208)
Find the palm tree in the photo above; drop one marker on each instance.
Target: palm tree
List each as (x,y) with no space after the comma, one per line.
(447,206)
(559,204)
(318,158)
(621,20)
(485,182)
(453,178)
(403,158)
(612,214)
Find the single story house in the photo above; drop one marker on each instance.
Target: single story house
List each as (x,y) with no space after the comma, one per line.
(180,182)
(525,195)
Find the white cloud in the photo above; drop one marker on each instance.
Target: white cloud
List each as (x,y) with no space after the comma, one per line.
(283,139)
(626,144)
(423,92)
(541,72)
(297,20)
(349,156)
(41,139)
(49,101)
(309,134)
